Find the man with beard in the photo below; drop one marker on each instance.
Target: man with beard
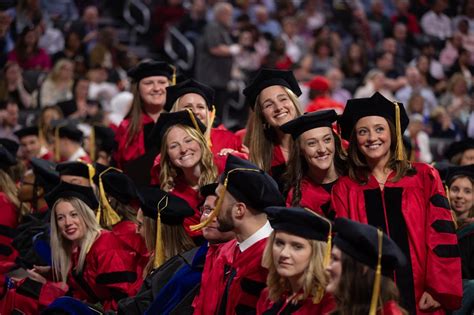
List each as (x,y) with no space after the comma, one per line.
(237,277)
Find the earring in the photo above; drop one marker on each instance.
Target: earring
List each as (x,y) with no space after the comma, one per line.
(266,126)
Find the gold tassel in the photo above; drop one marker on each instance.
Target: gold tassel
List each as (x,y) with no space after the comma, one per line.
(173,76)
(378,275)
(193,119)
(92,144)
(218,207)
(57,155)
(212,117)
(398,129)
(110,217)
(159,258)
(326,259)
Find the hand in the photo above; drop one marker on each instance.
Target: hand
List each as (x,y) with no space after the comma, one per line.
(43,270)
(225,151)
(32,274)
(244,149)
(235,49)
(427,303)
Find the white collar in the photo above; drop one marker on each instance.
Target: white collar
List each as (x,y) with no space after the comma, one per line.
(77,155)
(261,233)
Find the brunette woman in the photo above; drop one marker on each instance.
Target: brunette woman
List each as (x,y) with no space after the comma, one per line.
(362,261)
(273,96)
(294,256)
(317,160)
(406,200)
(135,152)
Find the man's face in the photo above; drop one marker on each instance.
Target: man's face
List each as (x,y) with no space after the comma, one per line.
(225,219)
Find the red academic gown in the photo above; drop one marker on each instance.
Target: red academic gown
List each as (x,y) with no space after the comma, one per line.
(192,197)
(415,213)
(8,224)
(136,158)
(265,306)
(109,274)
(314,196)
(248,280)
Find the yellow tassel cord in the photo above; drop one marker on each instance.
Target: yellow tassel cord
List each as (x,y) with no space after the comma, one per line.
(217,210)
(91,171)
(173,76)
(212,117)
(159,258)
(57,155)
(378,275)
(398,128)
(326,259)
(110,217)
(92,144)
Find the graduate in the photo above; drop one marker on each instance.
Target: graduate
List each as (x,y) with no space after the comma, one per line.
(238,277)
(406,200)
(88,263)
(186,161)
(135,153)
(199,98)
(362,260)
(295,256)
(461,152)
(31,145)
(11,210)
(273,96)
(160,221)
(102,143)
(68,143)
(178,293)
(460,184)
(317,159)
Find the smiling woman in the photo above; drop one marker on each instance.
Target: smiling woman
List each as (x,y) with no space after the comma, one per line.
(273,96)
(186,161)
(405,199)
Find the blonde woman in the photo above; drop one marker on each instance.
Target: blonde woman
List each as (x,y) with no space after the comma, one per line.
(294,256)
(186,161)
(88,262)
(199,98)
(58,84)
(9,205)
(273,96)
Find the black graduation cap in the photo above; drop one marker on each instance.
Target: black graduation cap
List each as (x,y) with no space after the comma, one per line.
(45,173)
(299,221)
(10,145)
(168,120)
(442,168)
(65,190)
(251,185)
(361,242)
(67,129)
(6,158)
(74,168)
(466,170)
(376,105)
(459,147)
(189,86)
(208,190)
(27,131)
(151,68)
(270,77)
(119,186)
(172,209)
(308,121)
(99,168)
(104,139)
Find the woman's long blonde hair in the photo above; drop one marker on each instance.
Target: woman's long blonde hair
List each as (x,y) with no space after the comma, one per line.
(262,138)
(61,248)
(168,172)
(208,122)
(314,275)
(54,74)
(8,187)
(175,241)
